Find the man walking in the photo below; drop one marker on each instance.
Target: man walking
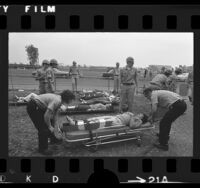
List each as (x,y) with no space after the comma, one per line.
(176,107)
(128,79)
(74,73)
(41,77)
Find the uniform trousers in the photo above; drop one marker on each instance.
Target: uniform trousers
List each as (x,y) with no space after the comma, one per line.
(175,110)
(127,97)
(37,116)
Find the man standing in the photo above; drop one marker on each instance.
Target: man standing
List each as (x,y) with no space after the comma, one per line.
(74,73)
(42,109)
(41,76)
(116,73)
(176,107)
(128,79)
(51,76)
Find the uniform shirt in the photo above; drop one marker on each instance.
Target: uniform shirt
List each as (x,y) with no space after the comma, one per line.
(41,75)
(116,71)
(164,98)
(159,79)
(50,75)
(128,75)
(74,70)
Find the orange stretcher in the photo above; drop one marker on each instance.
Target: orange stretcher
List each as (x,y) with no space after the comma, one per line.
(107,135)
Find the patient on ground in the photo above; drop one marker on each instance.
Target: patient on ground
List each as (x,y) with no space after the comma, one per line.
(106,122)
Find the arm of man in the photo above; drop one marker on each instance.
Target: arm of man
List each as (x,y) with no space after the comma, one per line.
(154,106)
(136,81)
(153,111)
(47,118)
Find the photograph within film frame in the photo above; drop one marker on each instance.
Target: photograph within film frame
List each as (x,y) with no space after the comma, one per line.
(96,37)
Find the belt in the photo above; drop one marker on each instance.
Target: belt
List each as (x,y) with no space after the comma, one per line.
(154,84)
(128,84)
(172,105)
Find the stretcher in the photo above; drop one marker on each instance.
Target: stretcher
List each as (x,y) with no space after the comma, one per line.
(99,137)
(72,110)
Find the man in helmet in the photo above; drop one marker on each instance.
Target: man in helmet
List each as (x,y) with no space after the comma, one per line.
(129,83)
(74,73)
(50,87)
(41,76)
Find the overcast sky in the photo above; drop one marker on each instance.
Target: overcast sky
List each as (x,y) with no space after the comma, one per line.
(105,49)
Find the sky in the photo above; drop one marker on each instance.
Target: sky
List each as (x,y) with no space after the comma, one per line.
(105,49)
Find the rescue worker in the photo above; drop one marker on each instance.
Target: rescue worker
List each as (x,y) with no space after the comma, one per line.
(116,73)
(191,84)
(42,109)
(74,73)
(159,81)
(176,107)
(50,87)
(41,76)
(128,79)
(172,82)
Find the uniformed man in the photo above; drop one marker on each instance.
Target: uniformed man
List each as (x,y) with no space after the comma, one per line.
(172,82)
(50,87)
(41,76)
(159,81)
(42,109)
(128,79)
(116,73)
(190,83)
(74,73)
(176,107)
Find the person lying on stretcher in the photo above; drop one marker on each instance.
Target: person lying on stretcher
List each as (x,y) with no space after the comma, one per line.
(87,107)
(103,122)
(103,100)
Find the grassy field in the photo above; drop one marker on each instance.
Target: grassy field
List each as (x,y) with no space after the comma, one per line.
(23,135)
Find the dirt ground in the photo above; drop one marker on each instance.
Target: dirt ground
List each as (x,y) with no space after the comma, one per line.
(23,135)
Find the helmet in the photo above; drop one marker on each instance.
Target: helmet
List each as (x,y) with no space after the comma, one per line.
(45,62)
(53,62)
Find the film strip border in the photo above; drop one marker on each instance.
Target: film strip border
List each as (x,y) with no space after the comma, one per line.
(90,170)
(101,18)
(131,18)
